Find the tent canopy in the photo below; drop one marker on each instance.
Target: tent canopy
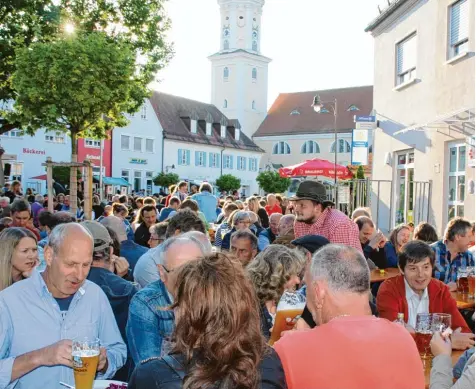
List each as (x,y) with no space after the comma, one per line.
(114,181)
(316,167)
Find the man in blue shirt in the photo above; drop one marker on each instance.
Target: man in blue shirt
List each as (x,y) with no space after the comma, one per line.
(150,324)
(451,253)
(207,202)
(41,315)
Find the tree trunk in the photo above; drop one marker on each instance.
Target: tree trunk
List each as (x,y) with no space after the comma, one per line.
(2,173)
(73,178)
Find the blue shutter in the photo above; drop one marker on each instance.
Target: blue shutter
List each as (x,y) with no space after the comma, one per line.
(197,156)
(188,157)
(179,156)
(244,163)
(219,162)
(210,159)
(231,161)
(250,168)
(204,159)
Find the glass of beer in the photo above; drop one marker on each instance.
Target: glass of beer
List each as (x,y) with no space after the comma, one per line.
(471,282)
(423,334)
(85,362)
(462,283)
(289,308)
(440,322)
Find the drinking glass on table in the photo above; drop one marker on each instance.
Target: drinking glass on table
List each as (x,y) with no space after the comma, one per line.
(462,280)
(85,362)
(471,282)
(440,322)
(423,334)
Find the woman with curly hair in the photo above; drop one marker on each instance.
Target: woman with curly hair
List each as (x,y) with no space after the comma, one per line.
(273,271)
(218,342)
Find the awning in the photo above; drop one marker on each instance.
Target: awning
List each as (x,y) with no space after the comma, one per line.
(114,181)
(461,120)
(40,178)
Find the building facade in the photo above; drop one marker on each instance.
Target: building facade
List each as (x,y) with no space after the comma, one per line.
(26,154)
(91,149)
(137,150)
(293,132)
(200,143)
(239,70)
(423,165)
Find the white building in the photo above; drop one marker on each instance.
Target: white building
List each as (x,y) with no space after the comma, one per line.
(200,143)
(137,150)
(26,154)
(239,71)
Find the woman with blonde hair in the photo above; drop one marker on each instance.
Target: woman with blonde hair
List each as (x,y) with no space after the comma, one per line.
(18,255)
(218,342)
(399,237)
(255,206)
(273,271)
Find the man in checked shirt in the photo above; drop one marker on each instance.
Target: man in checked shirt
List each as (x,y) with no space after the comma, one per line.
(314,216)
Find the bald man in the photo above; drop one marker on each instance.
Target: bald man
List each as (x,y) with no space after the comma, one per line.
(63,305)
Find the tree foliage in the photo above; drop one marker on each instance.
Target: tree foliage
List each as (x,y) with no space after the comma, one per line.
(166,179)
(272,182)
(360,174)
(140,24)
(228,182)
(61,174)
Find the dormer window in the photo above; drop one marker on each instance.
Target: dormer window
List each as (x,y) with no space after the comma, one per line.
(295,112)
(353,108)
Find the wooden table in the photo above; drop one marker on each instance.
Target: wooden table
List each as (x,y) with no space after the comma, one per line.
(376,276)
(462,300)
(427,365)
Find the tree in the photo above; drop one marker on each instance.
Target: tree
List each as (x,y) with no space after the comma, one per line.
(272,182)
(166,179)
(140,23)
(81,86)
(228,182)
(360,175)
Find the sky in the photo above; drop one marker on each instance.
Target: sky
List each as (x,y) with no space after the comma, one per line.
(313,44)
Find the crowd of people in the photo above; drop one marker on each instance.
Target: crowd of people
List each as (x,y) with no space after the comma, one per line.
(182,290)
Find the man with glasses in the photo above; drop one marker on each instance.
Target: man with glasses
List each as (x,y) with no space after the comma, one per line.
(150,324)
(157,234)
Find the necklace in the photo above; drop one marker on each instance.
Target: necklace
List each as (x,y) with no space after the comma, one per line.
(335,317)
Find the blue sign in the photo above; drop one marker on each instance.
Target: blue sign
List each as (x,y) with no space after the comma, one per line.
(368,119)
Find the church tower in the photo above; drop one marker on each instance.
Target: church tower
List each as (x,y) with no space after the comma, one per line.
(239,71)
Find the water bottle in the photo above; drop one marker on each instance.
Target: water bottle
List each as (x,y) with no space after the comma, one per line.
(400,319)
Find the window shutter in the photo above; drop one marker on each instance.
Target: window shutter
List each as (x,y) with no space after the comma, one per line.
(250,168)
(180,157)
(406,54)
(231,161)
(219,162)
(188,157)
(197,156)
(204,159)
(244,163)
(210,160)
(459,21)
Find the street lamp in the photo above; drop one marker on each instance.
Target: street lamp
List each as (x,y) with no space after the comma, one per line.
(317,105)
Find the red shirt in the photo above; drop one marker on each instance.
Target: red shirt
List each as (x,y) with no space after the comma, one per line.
(353,352)
(391,300)
(274,209)
(333,225)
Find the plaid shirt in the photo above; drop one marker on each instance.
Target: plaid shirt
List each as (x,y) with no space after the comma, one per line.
(333,225)
(445,269)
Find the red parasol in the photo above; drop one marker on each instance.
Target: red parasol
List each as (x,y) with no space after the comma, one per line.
(42,177)
(315,167)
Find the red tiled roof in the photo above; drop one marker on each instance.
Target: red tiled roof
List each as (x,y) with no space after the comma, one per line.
(279,120)
(171,111)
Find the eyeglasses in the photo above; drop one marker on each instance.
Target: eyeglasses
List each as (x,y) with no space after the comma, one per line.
(167,270)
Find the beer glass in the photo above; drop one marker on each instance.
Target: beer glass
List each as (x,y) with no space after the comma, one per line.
(471,282)
(462,280)
(289,308)
(85,362)
(440,322)
(423,334)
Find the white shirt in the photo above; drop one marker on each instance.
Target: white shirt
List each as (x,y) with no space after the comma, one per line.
(416,304)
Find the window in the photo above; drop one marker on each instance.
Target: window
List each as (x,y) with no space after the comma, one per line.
(310,147)
(295,112)
(214,160)
(253,164)
(456,180)
(125,142)
(55,138)
(241,163)
(225,103)
(406,59)
(458,28)
(200,158)
(344,146)
(125,174)
(149,174)
(226,45)
(92,143)
(253,104)
(226,73)
(281,148)
(353,108)
(254,74)
(405,195)
(183,157)
(137,180)
(137,144)
(97,170)
(227,161)
(255,46)
(149,145)
(143,112)
(14,133)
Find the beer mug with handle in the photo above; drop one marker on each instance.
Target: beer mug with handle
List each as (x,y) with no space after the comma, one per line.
(290,306)
(85,361)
